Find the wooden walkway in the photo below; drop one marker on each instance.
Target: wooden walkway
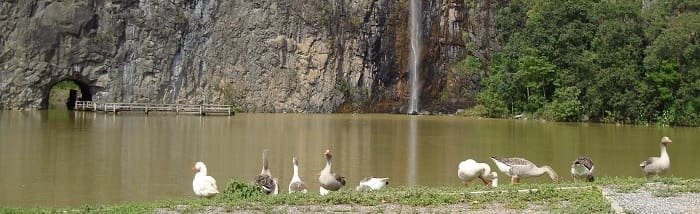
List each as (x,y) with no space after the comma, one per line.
(147,107)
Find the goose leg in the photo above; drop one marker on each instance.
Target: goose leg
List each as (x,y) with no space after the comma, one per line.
(512,180)
(517,180)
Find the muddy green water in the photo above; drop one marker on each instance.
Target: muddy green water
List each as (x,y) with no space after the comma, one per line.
(61,158)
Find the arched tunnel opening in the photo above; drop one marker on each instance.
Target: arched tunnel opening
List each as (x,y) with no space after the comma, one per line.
(64,93)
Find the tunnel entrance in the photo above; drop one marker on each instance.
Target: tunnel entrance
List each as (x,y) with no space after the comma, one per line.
(63,94)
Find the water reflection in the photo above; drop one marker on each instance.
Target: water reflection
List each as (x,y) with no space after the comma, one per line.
(60,158)
(412,157)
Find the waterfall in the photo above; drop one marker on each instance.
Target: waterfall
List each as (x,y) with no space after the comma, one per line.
(414,58)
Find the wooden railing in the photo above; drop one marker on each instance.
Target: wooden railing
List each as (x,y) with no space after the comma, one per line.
(203,109)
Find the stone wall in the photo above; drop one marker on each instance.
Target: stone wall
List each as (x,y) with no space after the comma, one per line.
(261,56)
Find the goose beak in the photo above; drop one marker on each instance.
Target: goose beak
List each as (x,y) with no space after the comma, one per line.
(486,182)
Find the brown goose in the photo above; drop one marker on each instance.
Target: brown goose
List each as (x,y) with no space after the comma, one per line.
(265,180)
(328,180)
(582,166)
(518,168)
(296,185)
(656,165)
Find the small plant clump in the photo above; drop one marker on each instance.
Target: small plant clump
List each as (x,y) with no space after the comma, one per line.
(238,190)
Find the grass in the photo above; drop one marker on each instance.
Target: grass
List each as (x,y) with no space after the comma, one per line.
(242,196)
(59,93)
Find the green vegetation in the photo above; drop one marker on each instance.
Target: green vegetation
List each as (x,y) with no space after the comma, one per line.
(59,93)
(231,96)
(66,85)
(237,195)
(354,96)
(607,61)
(103,39)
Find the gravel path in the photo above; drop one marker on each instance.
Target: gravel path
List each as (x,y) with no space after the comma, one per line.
(383,208)
(643,201)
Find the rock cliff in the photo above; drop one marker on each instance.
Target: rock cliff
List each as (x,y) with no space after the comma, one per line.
(261,56)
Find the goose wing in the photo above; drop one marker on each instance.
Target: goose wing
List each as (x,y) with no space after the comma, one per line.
(649,161)
(515,161)
(503,167)
(212,183)
(265,182)
(365,180)
(374,183)
(466,163)
(339,178)
(297,186)
(585,161)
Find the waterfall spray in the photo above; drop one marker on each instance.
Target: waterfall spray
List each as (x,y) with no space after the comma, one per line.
(415,23)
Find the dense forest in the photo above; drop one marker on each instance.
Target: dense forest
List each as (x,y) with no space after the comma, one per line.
(587,60)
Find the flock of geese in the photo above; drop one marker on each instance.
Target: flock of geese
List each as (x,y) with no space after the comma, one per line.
(468,170)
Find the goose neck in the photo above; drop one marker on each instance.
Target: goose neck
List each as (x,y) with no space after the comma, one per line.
(296,171)
(546,169)
(329,164)
(664,153)
(264,159)
(202,172)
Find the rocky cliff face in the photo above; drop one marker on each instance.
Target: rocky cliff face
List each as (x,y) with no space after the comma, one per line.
(262,56)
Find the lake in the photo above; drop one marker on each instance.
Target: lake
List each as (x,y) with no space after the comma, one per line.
(62,158)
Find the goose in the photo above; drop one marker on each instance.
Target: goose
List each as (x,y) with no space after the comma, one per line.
(656,165)
(202,184)
(265,180)
(583,166)
(328,180)
(372,183)
(469,169)
(518,168)
(296,185)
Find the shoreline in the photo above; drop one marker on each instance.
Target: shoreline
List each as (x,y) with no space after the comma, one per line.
(600,196)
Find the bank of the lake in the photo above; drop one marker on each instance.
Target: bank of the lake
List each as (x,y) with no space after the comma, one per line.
(567,197)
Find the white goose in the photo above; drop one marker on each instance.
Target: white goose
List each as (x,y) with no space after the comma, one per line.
(202,184)
(518,168)
(583,166)
(296,185)
(265,181)
(469,169)
(656,165)
(328,180)
(372,183)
